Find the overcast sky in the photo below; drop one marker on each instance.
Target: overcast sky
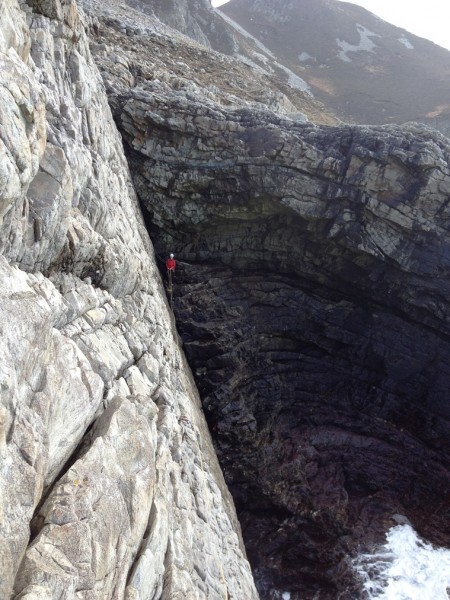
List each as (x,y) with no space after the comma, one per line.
(427,18)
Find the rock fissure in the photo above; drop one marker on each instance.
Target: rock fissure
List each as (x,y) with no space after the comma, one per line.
(310,296)
(234,383)
(97,308)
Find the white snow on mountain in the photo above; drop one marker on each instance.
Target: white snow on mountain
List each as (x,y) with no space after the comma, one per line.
(404,40)
(365,43)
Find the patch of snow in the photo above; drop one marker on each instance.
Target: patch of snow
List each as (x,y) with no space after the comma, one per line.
(294,80)
(304,57)
(365,43)
(286,596)
(261,57)
(253,65)
(342,53)
(406,567)
(404,40)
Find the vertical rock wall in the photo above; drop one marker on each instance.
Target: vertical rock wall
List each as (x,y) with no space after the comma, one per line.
(312,298)
(109,486)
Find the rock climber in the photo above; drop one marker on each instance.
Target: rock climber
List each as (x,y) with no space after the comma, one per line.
(170,266)
(171,263)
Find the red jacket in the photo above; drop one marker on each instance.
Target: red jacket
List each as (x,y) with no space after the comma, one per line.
(171,264)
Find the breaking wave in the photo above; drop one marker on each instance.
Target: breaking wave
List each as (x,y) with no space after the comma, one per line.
(405,568)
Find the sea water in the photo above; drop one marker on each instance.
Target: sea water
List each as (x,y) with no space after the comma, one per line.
(405,568)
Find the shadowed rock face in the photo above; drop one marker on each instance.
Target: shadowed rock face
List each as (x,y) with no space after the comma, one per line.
(312,299)
(311,295)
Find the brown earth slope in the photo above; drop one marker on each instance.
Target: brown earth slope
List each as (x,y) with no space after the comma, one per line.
(361,67)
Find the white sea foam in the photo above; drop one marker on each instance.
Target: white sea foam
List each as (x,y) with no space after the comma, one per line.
(405,568)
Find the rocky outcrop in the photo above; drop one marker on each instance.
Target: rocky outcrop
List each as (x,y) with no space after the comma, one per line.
(135,49)
(109,485)
(194,18)
(311,297)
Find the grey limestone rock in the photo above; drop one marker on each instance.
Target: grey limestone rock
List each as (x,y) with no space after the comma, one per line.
(109,484)
(312,299)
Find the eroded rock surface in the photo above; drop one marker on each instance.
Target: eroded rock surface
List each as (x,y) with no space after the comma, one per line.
(311,295)
(312,299)
(109,485)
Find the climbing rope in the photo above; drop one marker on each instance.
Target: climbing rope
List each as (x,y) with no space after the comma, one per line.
(170,288)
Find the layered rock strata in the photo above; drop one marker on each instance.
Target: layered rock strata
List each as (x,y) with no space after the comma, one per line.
(134,49)
(311,296)
(109,485)
(312,299)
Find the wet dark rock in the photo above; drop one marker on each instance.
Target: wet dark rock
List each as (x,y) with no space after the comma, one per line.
(311,296)
(312,299)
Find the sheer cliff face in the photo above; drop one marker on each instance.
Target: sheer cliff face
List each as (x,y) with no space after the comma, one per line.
(312,300)
(109,486)
(313,307)
(311,295)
